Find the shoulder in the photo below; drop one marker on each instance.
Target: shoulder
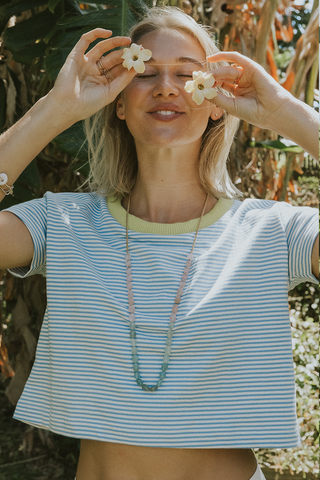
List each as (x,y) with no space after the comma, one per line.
(257,205)
(263,207)
(271,212)
(74,203)
(73,198)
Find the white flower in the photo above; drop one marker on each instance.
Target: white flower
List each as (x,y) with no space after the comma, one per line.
(135,56)
(201,87)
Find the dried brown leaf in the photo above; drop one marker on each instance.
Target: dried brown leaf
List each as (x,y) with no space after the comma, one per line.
(6,368)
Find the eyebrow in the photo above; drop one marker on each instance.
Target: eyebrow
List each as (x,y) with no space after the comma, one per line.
(181,60)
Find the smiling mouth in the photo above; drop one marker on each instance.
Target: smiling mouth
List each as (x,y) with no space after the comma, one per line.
(166,112)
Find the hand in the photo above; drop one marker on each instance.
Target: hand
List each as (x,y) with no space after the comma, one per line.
(259,99)
(80,89)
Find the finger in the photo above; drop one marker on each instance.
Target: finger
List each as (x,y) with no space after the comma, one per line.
(90,37)
(224,102)
(228,87)
(230,57)
(106,45)
(121,81)
(111,60)
(227,74)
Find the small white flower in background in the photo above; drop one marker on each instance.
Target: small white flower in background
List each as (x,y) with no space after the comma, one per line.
(135,56)
(201,87)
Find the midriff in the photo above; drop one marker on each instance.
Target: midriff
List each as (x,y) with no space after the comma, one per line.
(116,461)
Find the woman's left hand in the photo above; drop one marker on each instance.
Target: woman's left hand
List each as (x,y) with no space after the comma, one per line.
(258,98)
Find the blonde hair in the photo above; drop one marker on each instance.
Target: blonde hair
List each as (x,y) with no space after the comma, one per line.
(111,147)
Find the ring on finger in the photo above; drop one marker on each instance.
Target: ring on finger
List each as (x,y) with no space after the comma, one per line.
(102,70)
(236,81)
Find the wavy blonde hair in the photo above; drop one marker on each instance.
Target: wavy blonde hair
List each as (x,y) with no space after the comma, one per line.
(111,147)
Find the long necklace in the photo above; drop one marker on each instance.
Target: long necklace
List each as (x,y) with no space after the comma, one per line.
(173,316)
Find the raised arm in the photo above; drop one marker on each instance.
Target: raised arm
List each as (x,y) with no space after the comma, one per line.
(79,91)
(261,101)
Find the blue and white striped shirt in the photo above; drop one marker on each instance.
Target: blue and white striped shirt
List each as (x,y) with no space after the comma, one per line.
(230,381)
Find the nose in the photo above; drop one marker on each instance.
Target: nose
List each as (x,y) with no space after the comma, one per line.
(166,86)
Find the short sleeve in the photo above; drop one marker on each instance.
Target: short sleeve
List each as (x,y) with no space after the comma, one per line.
(301,226)
(34,215)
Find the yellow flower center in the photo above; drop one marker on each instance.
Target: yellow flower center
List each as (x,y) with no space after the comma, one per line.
(200,86)
(134,58)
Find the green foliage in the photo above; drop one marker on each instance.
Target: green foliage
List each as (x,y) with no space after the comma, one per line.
(41,39)
(277,145)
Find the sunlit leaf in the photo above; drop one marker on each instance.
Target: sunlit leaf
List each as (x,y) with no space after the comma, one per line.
(278,145)
(29,31)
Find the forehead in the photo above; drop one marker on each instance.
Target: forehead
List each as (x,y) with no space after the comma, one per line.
(168,45)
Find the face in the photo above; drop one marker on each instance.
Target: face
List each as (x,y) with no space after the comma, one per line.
(157,109)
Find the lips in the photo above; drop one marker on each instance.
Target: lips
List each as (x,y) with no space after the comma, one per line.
(169,107)
(166,112)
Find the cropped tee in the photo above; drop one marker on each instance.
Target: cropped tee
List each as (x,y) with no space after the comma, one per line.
(230,381)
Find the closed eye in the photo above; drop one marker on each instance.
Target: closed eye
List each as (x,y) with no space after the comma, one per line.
(145,76)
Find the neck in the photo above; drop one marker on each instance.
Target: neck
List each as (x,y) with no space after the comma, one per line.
(167,189)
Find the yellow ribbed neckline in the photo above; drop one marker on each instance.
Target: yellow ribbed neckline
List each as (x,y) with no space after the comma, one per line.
(142,226)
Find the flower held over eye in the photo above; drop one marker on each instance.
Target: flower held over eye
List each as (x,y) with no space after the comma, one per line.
(201,87)
(135,56)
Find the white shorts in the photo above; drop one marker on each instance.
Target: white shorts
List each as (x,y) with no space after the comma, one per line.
(258,475)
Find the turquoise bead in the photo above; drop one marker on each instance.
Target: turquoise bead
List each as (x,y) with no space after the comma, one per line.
(145,388)
(139,382)
(137,375)
(154,388)
(169,342)
(170,333)
(132,326)
(134,350)
(133,334)
(136,367)
(162,376)
(171,325)
(160,382)
(133,342)
(166,358)
(135,358)
(164,367)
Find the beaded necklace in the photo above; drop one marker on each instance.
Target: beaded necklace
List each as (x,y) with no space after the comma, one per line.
(173,316)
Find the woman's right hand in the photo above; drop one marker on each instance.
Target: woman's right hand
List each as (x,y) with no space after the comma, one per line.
(80,89)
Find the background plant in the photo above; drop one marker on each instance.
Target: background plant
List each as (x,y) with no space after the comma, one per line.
(35,38)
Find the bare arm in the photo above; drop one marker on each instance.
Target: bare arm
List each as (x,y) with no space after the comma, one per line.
(24,141)
(79,92)
(261,101)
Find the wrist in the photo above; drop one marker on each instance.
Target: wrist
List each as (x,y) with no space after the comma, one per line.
(55,113)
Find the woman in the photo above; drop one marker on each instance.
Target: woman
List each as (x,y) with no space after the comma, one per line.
(168,366)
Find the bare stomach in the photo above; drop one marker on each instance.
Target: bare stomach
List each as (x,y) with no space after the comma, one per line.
(116,461)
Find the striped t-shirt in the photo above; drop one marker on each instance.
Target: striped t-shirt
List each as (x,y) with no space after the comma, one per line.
(230,381)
